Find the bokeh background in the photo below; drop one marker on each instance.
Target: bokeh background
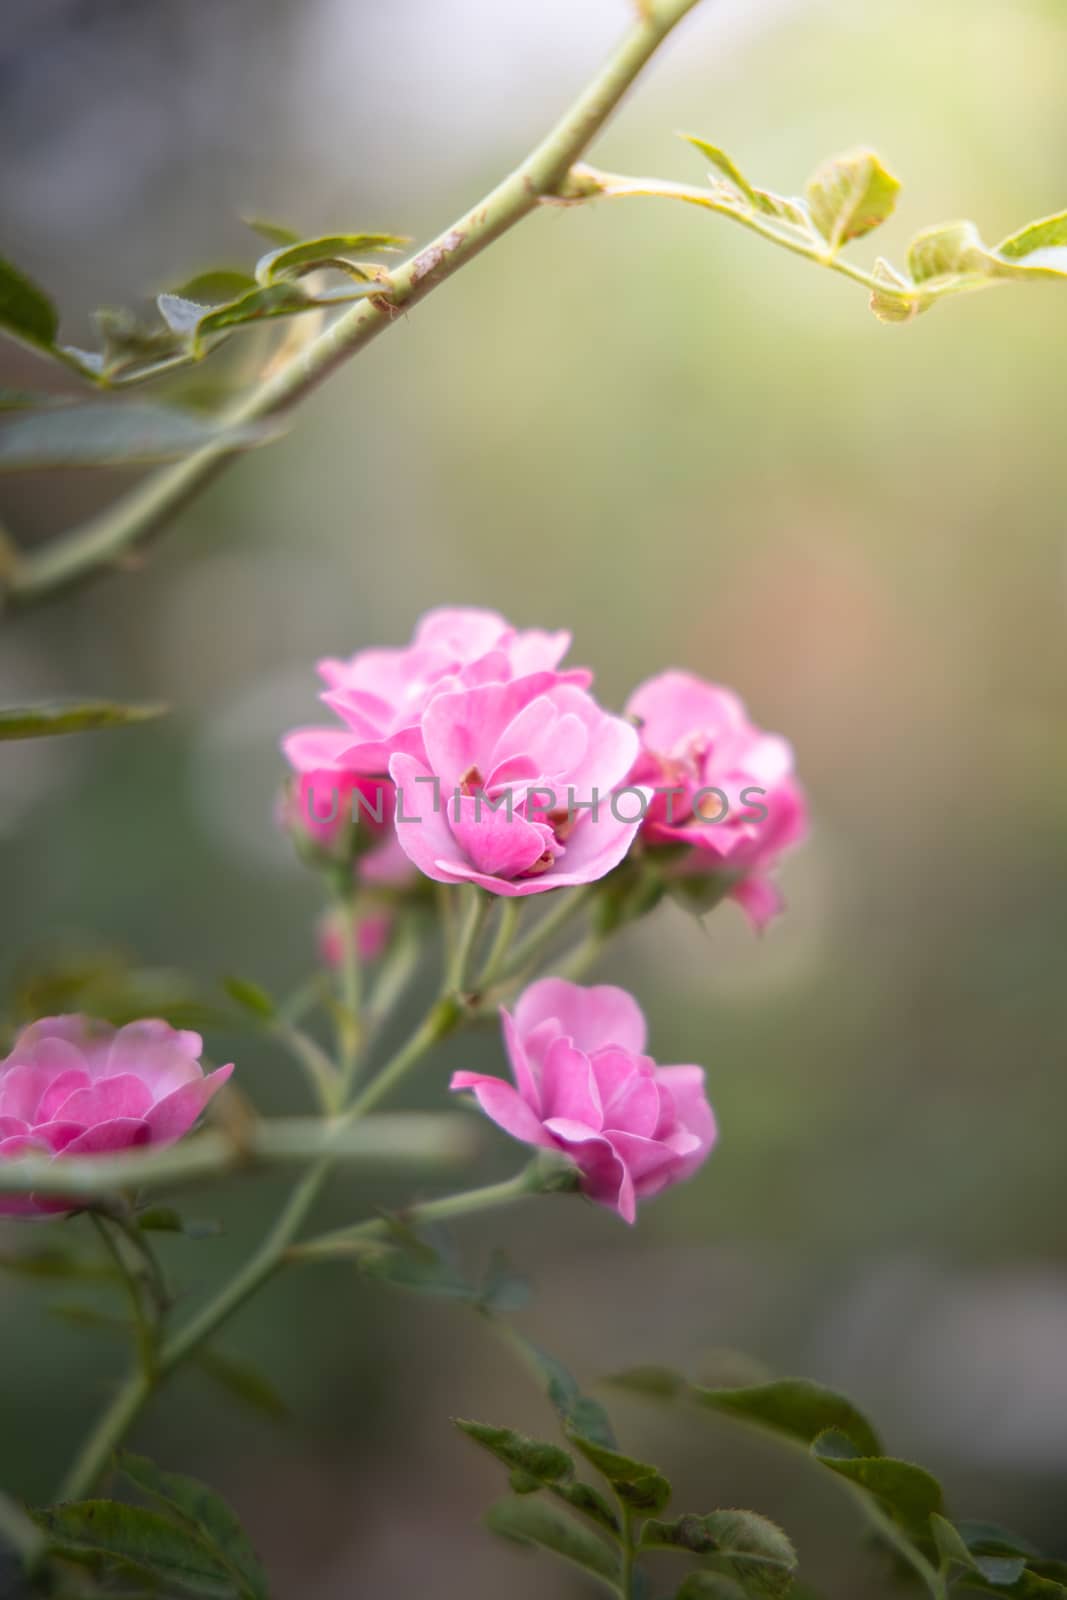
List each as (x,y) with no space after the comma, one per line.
(640,423)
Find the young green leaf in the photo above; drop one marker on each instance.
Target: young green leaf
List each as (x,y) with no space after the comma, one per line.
(796,1407)
(950,250)
(250,997)
(589,1501)
(205,1514)
(169,1550)
(849,195)
(656,1383)
(107,435)
(26,312)
(582,1415)
(211,288)
(546,1463)
(179,313)
(165,1219)
(536,1522)
(725,166)
(910,1494)
(46,721)
(896,298)
(332,250)
(639,1486)
(751,1549)
(276,232)
(243,1382)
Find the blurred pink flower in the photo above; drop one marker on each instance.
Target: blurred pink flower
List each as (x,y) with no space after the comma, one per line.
(584,1086)
(75,1087)
(725,787)
(372,930)
(515,789)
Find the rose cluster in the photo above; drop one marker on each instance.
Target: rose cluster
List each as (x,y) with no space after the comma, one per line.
(474,757)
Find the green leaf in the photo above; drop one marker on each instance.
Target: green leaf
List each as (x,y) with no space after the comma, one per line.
(47,720)
(165,1219)
(536,1522)
(750,1548)
(250,996)
(214,286)
(181,315)
(910,1494)
(850,195)
(207,1516)
(710,1586)
(582,1415)
(589,1501)
(656,1383)
(276,232)
(794,212)
(152,1541)
(1001,1571)
(547,1463)
(107,435)
(31,400)
(429,1274)
(332,250)
(285,299)
(638,1485)
(896,299)
(26,312)
(245,1383)
(53,1264)
(796,1407)
(950,250)
(503,1289)
(1049,234)
(130,344)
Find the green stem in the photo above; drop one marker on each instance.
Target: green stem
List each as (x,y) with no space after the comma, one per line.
(349,1031)
(569,903)
(507,925)
(478,906)
(351,1241)
(626,1577)
(105,540)
(435,1026)
(144,1331)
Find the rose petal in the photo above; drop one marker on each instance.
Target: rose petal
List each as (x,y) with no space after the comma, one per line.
(569,1087)
(593,1016)
(108,1138)
(504,1106)
(175,1115)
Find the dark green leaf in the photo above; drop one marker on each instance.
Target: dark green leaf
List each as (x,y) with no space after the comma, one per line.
(165,1219)
(589,1501)
(206,1515)
(108,435)
(215,286)
(332,250)
(638,1485)
(536,1522)
(250,996)
(849,195)
(910,1494)
(582,1415)
(990,1536)
(53,1264)
(796,1407)
(152,1541)
(423,1275)
(25,310)
(710,1586)
(546,1463)
(999,1570)
(751,1549)
(503,1289)
(245,1383)
(45,721)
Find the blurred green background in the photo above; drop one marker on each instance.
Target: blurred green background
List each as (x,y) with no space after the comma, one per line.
(640,423)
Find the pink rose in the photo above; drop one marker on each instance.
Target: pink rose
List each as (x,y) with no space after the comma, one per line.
(726,788)
(515,791)
(380,695)
(585,1086)
(75,1087)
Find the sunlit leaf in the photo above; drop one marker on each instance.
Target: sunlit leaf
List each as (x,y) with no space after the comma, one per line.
(896,299)
(910,1494)
(107,435)
(206,1516)
(284,299)
(849,195)
(276,232)
(782,207)
(950,250)
(537,1522)
(46,721)
(796,1407)
(26,312)
(214,286)
(332,250)
(152,1541)
(1031,243)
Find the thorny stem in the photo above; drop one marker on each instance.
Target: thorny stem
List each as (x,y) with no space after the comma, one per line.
(107,540)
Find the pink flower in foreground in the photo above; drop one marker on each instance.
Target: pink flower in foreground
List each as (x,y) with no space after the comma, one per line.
(75,1087)
(584,1086)
(380,695)
(516,788)
(725,787)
